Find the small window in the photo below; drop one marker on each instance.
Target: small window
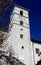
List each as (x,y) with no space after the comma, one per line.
(21,22)
(22,47)
(21,13)
(21,36)
(37,50)
(21,29)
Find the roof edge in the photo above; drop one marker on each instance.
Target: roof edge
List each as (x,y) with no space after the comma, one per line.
(36,41)
(21,7)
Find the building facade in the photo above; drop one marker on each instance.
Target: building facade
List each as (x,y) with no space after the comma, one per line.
(20,35)
(16,45)
(36,52)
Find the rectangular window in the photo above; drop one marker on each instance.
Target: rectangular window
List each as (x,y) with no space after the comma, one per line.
(21,22)
(37,50)
(21,36)
(21,13)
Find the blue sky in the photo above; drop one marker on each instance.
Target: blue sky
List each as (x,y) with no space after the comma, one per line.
(34,15)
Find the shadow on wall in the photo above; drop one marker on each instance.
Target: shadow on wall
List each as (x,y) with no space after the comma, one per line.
(39,62)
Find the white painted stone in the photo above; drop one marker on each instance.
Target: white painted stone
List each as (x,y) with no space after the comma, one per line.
(24,55)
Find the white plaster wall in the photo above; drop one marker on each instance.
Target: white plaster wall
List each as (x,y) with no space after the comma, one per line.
(17,18)
(17,10)
(16,42)
(32,53)
(36,57)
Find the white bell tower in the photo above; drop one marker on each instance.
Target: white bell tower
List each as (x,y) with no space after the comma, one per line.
(20,35)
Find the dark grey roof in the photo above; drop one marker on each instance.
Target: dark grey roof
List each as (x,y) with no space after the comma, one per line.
(36,41)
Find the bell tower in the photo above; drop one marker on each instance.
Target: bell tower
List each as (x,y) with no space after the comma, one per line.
(20,34)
